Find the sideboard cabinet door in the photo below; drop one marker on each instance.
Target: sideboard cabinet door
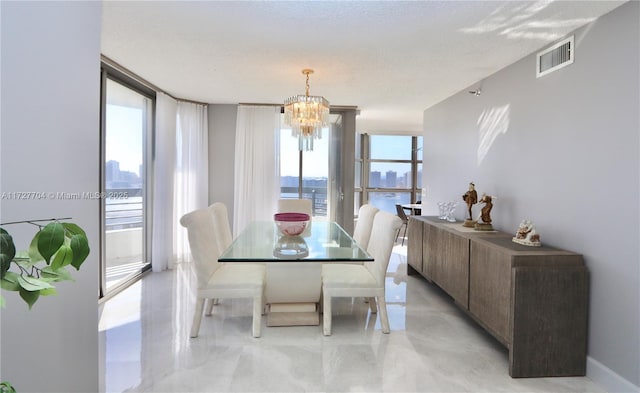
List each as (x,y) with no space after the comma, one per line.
(414,244)
(489,289)
(451,267)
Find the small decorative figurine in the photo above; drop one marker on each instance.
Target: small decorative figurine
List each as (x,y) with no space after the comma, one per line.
(484,221)
(527,235)
(470,198)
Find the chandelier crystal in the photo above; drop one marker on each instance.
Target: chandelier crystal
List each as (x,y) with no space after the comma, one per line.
(306,115)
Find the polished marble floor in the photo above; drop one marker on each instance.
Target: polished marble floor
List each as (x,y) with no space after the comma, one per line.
(433,346)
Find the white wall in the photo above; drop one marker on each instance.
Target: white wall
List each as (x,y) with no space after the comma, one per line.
(563,151)
(222,142)
(49,143)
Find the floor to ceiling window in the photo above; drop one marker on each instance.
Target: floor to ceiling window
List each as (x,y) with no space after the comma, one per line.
(305,174)
(388,170)
(324,175)
(127,125)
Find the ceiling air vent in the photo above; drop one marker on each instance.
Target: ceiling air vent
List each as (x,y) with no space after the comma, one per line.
(553,58)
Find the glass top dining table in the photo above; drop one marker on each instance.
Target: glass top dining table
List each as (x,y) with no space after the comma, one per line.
(322,241)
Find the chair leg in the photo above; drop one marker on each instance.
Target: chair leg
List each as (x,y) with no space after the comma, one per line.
(257,315)
(404,235)
(209,306)
(384,319)
(372,305)
(197,317)
(326,314)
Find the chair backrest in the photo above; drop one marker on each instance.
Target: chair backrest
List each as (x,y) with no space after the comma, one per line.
(223,229)
(401,213)
(202,235)
(362,231)
(295,206)
(383,235)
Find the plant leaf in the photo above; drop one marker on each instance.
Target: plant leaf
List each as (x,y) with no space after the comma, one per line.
(73,229)
(33,252)
(48,292)
(11,276)
(29,296)
(80,247)
(5,386)
(7,251)
(50,239)
(60,274)
(9,285)
(2,302)
(32,284)
(63,257)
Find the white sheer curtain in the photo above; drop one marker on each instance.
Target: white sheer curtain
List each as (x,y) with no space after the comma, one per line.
(191,185)
(257,179)
(164,162)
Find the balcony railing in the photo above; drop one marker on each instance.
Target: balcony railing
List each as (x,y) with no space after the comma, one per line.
(318,196)
(126,213)
(124,234)
(124,210)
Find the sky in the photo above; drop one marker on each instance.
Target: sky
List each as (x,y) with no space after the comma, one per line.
(125,120)
(316,162)
(124,137)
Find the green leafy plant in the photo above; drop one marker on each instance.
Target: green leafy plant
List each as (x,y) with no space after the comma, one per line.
(33,272)
(5,387)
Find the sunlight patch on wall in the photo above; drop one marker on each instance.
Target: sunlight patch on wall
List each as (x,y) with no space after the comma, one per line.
(491,123)
(544,29)
(507,15)
(522,21)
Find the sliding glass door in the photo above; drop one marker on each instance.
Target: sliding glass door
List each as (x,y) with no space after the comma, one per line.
(126,132)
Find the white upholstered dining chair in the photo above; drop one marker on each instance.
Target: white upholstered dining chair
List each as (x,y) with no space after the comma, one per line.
(220,280)
(224,239)
(221,221)
(366,280)
(362,230)
(286,205)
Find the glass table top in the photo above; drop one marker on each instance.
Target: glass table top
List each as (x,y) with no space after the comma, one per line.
(322,241)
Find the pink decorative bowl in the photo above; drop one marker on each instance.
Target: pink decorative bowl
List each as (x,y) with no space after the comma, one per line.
(291,224)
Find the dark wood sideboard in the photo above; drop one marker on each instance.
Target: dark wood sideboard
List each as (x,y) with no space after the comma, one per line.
(533,300)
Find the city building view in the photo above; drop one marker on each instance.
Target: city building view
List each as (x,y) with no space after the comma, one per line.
(123,201)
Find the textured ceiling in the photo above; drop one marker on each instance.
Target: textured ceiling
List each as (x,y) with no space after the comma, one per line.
(391,59)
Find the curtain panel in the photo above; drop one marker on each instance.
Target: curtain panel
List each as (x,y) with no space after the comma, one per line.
(164,162)
(191,182)
(257,180)
(180,176)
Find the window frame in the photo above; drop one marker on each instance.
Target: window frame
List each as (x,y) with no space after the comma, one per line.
(363,158)
(108,72)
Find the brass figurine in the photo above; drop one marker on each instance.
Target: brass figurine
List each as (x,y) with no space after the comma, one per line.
(470,198)
(484,221)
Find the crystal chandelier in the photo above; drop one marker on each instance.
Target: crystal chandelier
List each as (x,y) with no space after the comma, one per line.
(306,115)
